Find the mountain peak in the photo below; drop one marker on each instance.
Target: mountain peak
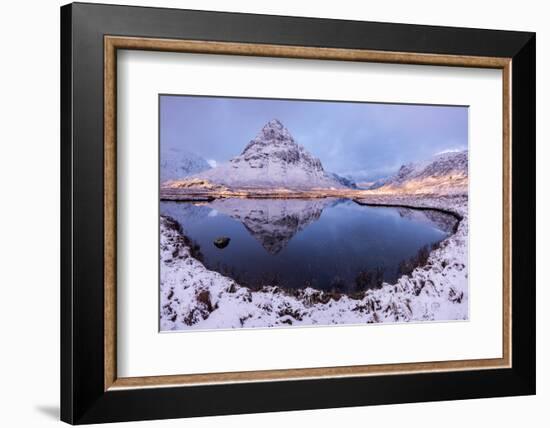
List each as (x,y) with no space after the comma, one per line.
(272,133)
(275,144)
(273,159)
(274,123)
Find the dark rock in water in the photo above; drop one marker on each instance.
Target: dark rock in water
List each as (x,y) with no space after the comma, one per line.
(222,242)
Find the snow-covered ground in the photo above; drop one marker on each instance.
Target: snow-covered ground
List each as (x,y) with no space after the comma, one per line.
(193,297)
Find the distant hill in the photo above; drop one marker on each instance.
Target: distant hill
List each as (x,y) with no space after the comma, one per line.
(178,163)
(445,173)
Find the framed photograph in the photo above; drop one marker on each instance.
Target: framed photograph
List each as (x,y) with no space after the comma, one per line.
(266,213)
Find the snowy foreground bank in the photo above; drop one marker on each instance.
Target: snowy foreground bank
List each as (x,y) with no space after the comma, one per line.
(193,297)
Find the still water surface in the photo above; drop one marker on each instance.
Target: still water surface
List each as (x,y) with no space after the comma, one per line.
(328,244)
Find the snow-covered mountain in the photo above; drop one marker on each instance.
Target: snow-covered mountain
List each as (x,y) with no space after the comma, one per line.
(443,173)
(178,163)
(345,181)
(272,160)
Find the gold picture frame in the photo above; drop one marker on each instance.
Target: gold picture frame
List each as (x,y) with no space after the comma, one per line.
(114,43)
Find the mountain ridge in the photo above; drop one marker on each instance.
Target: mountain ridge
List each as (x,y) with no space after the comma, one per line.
(272,159)
(273,164)
(442,173)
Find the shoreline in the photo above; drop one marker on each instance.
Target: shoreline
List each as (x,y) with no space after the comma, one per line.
(217,192)
(371,199)
(193,297)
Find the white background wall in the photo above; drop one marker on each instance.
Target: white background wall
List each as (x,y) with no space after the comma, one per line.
(29,213)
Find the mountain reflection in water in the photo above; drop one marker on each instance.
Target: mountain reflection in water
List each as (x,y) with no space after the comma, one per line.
(294,243)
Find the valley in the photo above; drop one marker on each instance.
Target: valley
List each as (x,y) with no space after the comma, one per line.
(284,198)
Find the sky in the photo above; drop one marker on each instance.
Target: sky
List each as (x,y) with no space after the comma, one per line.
(364,141)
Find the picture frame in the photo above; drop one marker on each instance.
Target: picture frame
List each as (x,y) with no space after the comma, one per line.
(91,390)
